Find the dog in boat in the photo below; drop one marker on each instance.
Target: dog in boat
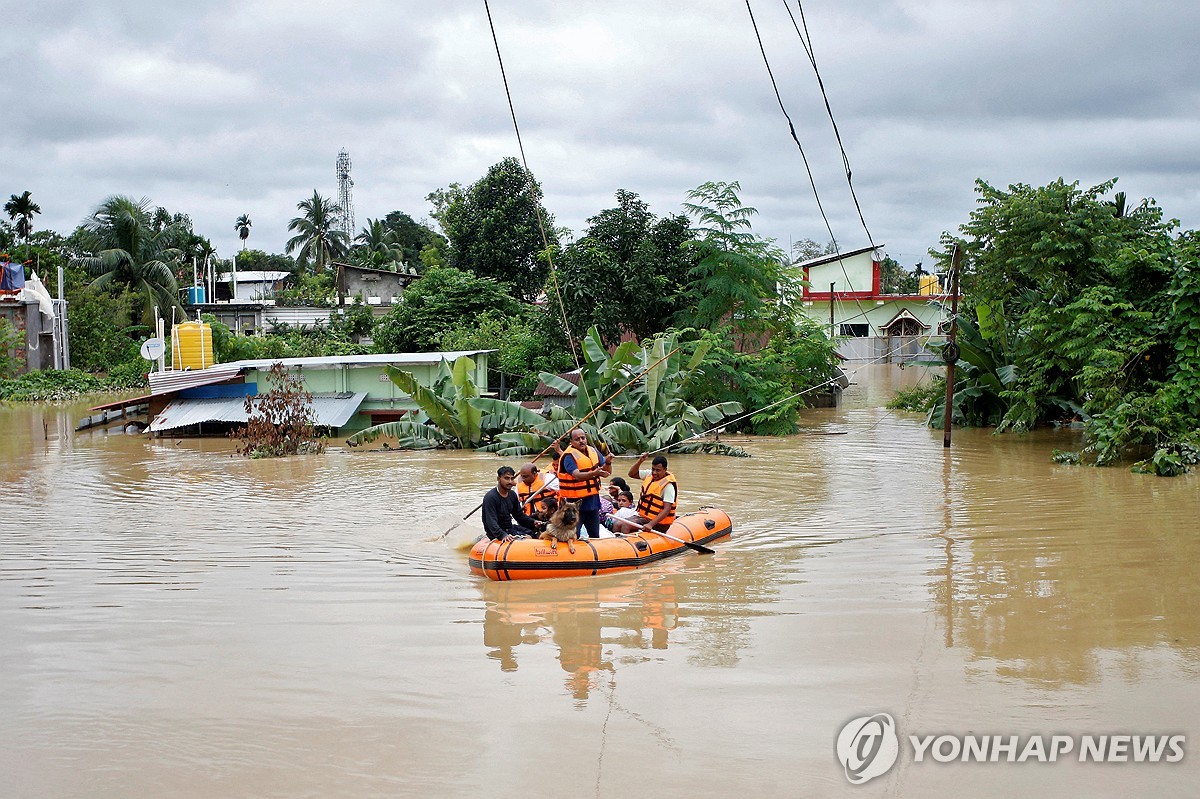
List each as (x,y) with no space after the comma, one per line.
(563,526)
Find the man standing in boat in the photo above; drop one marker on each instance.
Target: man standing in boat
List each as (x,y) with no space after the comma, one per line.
(660,492)
(580,472)
(501,506)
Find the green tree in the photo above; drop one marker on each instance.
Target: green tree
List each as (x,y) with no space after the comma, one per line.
(806,249)
(377,247)
(494,228)
(124,250)
(773,383)
(242,226)
(261,261)
(524,345)
(21,209)
(628,272)
(895,279)
(1089,300)
(413,237)
(318,238)
(441,300)
(738,273)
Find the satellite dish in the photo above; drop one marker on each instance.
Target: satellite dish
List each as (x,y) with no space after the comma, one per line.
(153,349)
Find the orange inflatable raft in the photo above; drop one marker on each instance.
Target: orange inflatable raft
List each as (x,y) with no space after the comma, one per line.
(534,559)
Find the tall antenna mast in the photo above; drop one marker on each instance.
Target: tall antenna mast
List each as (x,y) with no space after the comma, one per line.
(345,193)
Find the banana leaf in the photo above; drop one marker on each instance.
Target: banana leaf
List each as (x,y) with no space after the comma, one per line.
(654,376)
(468,428)
(411,434)
(505,415)
(559,384)
(720,411)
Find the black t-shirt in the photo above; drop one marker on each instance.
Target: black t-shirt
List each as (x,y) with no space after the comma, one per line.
(499,512)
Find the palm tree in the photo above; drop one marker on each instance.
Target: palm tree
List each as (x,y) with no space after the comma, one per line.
(378,245)
(126,250)
(20,209)
(318,236)
(242,226)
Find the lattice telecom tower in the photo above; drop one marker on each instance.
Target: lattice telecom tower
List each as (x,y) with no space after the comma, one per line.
(345,193)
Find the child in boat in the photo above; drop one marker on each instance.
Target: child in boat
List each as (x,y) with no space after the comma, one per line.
(624,511)
(551,505)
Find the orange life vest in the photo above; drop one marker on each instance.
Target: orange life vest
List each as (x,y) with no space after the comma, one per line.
(572,488)
(526,491)
(651,503)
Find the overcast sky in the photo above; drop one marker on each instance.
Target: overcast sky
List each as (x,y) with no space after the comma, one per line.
(225,108)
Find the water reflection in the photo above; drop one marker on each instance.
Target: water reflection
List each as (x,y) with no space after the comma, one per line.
(593,624)
(1047,568)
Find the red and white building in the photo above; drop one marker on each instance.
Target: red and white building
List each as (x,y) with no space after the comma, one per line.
(844,295)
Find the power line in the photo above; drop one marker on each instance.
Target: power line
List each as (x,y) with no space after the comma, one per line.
(806,43)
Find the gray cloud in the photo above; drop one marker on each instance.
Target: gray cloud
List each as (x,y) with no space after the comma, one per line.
(227,108)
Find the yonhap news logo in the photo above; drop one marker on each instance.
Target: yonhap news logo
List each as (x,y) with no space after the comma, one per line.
(868,747)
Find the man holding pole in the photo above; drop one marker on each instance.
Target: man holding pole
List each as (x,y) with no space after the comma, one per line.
(580,472)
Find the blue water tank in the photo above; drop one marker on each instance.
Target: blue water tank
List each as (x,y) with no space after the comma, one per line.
(195,295)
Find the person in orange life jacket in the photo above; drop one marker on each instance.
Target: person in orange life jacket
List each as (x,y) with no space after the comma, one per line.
(580,470)
(501,506)
(538,485)
(656,508)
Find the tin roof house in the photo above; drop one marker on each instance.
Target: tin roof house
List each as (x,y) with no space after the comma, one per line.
(349,393)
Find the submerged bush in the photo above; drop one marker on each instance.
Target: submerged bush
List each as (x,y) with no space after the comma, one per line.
(281,420)
(53,385)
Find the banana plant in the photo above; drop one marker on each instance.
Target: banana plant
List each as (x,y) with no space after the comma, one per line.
(447,417)
(631,399)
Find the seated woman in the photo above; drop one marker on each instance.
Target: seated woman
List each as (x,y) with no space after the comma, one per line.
(620,520)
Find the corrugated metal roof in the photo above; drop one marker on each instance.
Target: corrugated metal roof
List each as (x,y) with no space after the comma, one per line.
(329,410)
(394,358)
(179,379)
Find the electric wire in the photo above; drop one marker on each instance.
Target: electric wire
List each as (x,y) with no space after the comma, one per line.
(788,398)
(807,167)
(806,43)
(537,207)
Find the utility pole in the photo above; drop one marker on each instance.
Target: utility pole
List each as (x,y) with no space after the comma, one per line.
(831,285)
(950,353)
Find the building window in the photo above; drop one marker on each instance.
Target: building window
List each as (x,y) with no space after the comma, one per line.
(856,330)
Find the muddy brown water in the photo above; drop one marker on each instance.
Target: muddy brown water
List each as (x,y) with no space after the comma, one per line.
(177,622)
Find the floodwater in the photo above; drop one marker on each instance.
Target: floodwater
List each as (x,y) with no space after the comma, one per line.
(177,622)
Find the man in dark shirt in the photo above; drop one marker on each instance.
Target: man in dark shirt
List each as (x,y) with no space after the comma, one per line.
(501,506)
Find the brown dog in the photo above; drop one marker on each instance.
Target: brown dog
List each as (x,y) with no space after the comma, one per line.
(563,526)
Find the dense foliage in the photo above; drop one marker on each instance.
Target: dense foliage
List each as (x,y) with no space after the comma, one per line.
(67,384)
(495,228)
(1079,307)
(484,285)
(628,272)
(438,302)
